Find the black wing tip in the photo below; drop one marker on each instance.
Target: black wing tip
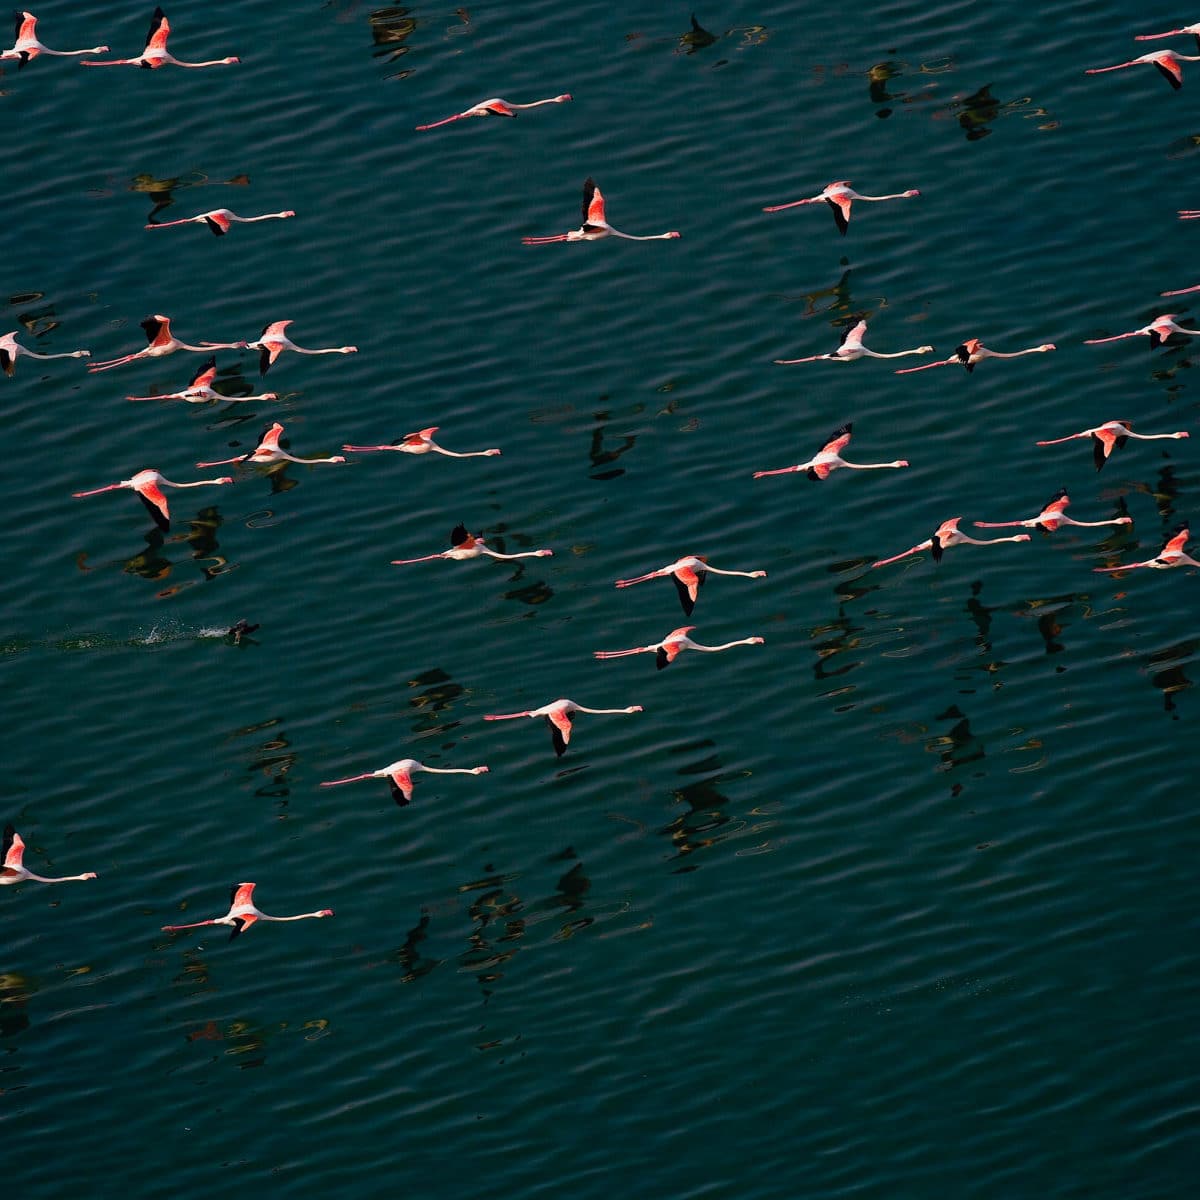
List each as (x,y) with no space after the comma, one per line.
(400,798)
(264,361)
(660,659)
(685,600)
(163,523)
(458,535)
(937,549)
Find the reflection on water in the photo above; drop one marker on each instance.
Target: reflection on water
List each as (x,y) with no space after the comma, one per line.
(1168,675)
(958,745)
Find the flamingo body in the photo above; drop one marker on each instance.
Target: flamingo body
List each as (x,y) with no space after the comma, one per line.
(669,649)
(1157,331)
(155,54)
(559,715)
(148,485)
(14,869)
(270,451)
(972,352)
(221,220)
(1167,62)
(160,341)
(828,459)
(200,390)
(495,107)
(1112,435)
(1171,555)
(839,195)
(852,349)
(243,913)
(11,350)
(1053,516)
(399,776)
(688,575)
(27,47)
(595,226)
(464,545)
(422,442)
(945,536)
(273,341)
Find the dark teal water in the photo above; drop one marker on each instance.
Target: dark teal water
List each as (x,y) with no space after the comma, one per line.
(901,902)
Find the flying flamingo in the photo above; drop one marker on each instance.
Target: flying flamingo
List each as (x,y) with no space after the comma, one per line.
(243,913)
(469,545)
(594,225)
(148,485)
(399,776)
(666,651)
(269,450)
(27,47)
(972,352)
(559,716)
(829,458)
(1192,29)
(1157,331)
(14,872)
(273,341)
(839,196)
(688,575)
(220,219)
(1111,433)
(11,350)
(1167,61)
(945,536)
(155,54)
(1052,516)
(852,349)
(1171,555)
(422,442)
(494,108)
(200,389)
(161,342)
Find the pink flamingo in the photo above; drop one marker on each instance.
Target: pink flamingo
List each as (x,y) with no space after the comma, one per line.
(243,913)
(688,575)
(220,219)
(839,195)
(1171,555)
(200,389)
(1192,29)
(1109,435)
(27,47)
(560,715)
(495,108)
(594,225)
(1167,61)
(945,536)
(829,458)
(972,352)
(399,776)
(269,450)
(422,442)
(852,349)
(11,350)
(148,485)
(666,651)
(162,342)
(1157,331)
(1052,517)
(273,341)
(469,545)
(155,54)
(14,870)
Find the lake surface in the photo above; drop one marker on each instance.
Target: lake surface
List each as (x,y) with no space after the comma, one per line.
(902,902)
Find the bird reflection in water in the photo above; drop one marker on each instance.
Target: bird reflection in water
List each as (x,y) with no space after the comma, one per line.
(837,637)
(16,990)
(879,76)
(202,537)
(495,906)
(602,457)
(838,294)
(409,957)
(436,697)
(1170,679)
(958,746)
(391,28)
(274,760)
(150,564)
(161,192)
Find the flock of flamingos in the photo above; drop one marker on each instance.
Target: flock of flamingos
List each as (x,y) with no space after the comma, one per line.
(687,573)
